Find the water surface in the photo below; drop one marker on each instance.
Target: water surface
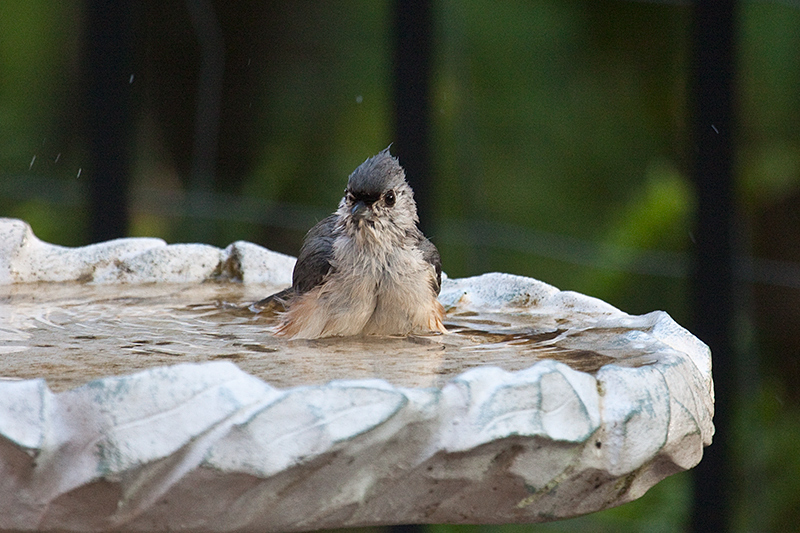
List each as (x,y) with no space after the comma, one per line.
(71,333)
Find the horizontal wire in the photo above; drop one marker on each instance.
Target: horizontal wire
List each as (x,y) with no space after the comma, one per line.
(236,208)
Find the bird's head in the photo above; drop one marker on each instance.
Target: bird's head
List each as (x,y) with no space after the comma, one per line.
(378,203)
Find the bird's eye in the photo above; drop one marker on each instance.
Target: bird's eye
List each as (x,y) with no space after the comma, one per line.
(389,198)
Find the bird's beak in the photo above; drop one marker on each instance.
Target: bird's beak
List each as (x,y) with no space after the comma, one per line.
(359,210)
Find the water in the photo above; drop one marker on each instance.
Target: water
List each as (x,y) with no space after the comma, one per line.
(71,333)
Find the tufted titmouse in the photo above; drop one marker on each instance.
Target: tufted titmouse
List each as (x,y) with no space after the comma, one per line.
(367,268)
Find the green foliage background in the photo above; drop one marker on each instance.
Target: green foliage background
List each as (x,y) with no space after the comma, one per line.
(560,151)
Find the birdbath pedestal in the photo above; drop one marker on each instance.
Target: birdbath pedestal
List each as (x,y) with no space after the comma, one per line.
(140,391)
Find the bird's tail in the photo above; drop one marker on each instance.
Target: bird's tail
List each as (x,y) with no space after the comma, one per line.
(275,303)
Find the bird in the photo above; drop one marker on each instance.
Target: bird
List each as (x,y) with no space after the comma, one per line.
(366,269)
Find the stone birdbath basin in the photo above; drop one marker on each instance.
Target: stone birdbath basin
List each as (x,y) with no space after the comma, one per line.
(140,391)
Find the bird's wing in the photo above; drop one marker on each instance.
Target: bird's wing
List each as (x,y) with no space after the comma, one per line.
(431,255)
(313,264)
(314,261)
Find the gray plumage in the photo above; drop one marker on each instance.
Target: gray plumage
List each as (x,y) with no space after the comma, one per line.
(366,268)
(376,175)
(314,260)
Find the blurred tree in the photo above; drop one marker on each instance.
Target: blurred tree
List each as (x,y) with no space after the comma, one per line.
(39,47)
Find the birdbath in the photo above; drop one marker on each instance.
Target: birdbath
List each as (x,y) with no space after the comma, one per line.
(141,391)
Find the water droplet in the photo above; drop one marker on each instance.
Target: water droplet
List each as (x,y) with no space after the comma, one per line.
(359,99)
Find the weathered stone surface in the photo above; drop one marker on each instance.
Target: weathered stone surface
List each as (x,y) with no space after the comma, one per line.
(208,447)
(250,263)
(26,259)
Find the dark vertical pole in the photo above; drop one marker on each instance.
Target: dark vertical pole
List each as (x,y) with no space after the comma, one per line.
(713,113)
(108,70)
(207,116)
(413,28)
